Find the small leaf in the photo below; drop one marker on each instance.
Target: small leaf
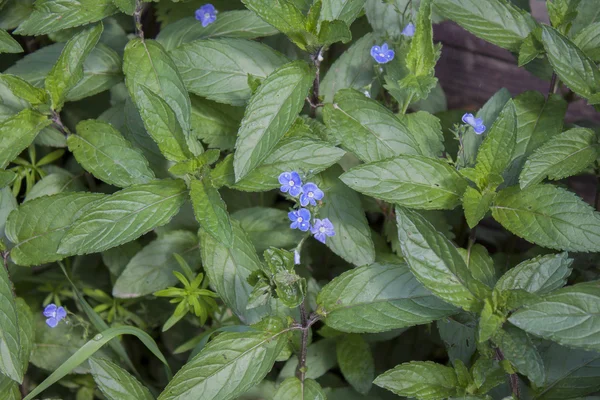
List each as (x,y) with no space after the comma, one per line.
(344,10)
(490,322)
(11,362)
(549,216)
(422,56)
(542,274)
(356,362)
(18,132)
(6,178)
(458,335)
(293,388)
(266,121)
(320,358)
(517,347)
(211,211)
(421,379)
(24,89)
(477,205)
(427,131)
(124,216)
(54,183)
(411,181)
(588,40)
(378,298)
(8,44)
(101,149)
(126,6)
(116,383)
(436,263)
(480,264)
(562,156)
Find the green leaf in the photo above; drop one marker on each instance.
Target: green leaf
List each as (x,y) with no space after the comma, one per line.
(477,205)
(458,335)
(588,40)
(421,379)
(18,132)
(150,75)
(24,90)
(367,128)
(436,263)
(54,183)
(487,374)
(243,24)
(422,56)
(293,154)
(37,226)
(568,316)
(215,124)
(270,113)
(572,66)
(385,17)
(126,6)
(542,274)
(411,181)
(293,388)
(427,131)
(342,205)
(11,362)
(116,383)
(549,216)
(495,21)
(26,332)
(101,149)
(53,15)
(562,13)
(352,70)
(333,31)
(517,347)
(562,156)
(480,264)
(221,361)
(8,44)
(117,258)
(124,216)
(68,70)
(356,362)
(490,322)
(211,211)
(218,69)
(378,298)
(6,178)
(151,269)
(228,269)
(320,358)
(343,10)
(268,227)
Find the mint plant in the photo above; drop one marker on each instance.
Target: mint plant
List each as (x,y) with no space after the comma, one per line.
(271,200)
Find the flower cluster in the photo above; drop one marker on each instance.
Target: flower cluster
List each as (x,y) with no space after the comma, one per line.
(308,194)
(476,123)
(207,14)
(54,314)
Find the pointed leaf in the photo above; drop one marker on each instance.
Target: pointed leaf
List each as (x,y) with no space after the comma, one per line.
(480,263)
(477,205)
(211,211)
(542,274)
(356,362)
(293,388)
(517,347)
(54,183)
(588,40)
(24,89)
(427,131)
(8,44)
(18,132)
(116,383)
(422,56)
(344,10)
(11,363)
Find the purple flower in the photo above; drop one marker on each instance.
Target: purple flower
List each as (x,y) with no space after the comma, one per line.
(300,219)
(291,182)
(296,257)
(322,228)
(310,193)
(382,54)
(54,314)
(409,30)
(476,123)
(207,14)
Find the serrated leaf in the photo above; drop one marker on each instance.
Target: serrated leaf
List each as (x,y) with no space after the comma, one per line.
(495,21)
(221,360)
(243,24)
(151,269)
(487,374)
(101,149)
(379,298)
(356,362)
(385,17)
(124,216)
(268,227)
(126,6)
(116,383)
(480,264)
(26,332)
(293,388)
(411,181)
(562,156)
(228,268)
(458,335)
(588,40)
(367,128)
(215,124)
(549,216)
(490,322)
(68,70)
(352,70)
(573,67)
(37,226)
(8,44)
(436,263)
(422,56)
(518,348)
(476,205)
(211,211)
(24,89)
(11,363)
(333,31)
(568,316)
(344,10)
(54,183)
(421,379)
(542,274)
(427,131)
(218,69)
(18,132)
(342,205)
(53,15)
(320,358)
(270,113)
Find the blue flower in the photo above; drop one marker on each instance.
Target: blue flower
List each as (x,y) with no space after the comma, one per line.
(322,228)
(296,257)
(207,14)
(291,182)
(476,123)
(382,54)
(409,30)
(300,219)
(310,193)
(54,314)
